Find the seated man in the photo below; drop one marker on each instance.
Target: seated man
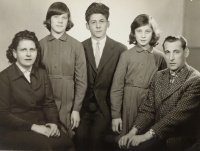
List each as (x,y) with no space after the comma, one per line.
(170,107)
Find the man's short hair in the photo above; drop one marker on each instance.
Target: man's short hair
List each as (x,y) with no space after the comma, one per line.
(97,8)
(173,38)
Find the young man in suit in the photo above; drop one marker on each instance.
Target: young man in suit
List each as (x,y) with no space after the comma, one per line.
(170,109)
(102,55)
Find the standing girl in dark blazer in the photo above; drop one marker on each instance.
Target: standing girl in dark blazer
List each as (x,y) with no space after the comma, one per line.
(63,58)
(28,114)
(134,72)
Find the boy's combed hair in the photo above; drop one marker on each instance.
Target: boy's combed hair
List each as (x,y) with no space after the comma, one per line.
(142,20)
(22,35)
(173,38)
(97,8)
(58,8)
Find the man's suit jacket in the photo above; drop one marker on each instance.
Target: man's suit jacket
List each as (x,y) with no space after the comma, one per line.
(172,108)
(99,81)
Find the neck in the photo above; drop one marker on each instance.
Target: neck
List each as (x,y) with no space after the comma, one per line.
(146,47)
(57,35)
(98,39)
(26,68)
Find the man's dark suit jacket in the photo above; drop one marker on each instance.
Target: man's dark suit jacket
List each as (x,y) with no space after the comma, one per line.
(99,81)
(172,108)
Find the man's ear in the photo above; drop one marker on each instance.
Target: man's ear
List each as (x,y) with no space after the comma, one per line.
(14,53)
(187,52)
(87,26)
(108,25)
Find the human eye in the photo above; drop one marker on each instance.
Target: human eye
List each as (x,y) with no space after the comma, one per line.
(177,51)
(166,52)
(55,16)
(23,49)
(102,21)
(148,31)
(138,30)
(32,49)
(65,17)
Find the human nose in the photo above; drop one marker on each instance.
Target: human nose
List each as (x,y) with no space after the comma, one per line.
(143,34)
(60,19)
(98,25)
(28,53)
(171,56)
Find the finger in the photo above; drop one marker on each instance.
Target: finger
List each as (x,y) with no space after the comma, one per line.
(113,128)
(78,122)
(119,143)
(72,121)
(53,132)
(121,126)
(58,133)
(129,142)
(73,126)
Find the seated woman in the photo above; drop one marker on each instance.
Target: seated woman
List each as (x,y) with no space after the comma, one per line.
(28,114)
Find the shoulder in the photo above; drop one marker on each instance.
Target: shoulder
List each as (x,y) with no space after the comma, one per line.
(85,42)
(158,52)
(117,44)
(7,73)
(73,40)
(161,73)
(130,52)
(194,76)
(44,40)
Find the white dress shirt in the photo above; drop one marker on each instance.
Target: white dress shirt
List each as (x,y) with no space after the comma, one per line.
(25,72)
(102,43)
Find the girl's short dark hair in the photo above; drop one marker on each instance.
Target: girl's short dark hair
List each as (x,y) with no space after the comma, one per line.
(58,8)
(22,35)
(142,20)
(96,8)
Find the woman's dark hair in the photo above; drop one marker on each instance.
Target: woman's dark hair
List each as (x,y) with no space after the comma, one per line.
(96,8)
(142,20)
(58,8)
(22,35)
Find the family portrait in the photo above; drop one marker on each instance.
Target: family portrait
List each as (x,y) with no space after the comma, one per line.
(100,75)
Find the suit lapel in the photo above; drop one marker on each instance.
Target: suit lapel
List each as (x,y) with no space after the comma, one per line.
(90,54)
(107,53)
(169,90)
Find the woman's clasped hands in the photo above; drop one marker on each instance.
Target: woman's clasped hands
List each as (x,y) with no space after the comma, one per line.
(49,130)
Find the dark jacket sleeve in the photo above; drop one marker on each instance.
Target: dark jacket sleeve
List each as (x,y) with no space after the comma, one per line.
(9,120)
(117,89)
(49,106)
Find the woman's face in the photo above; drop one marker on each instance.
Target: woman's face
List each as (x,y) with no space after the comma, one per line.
(25,53)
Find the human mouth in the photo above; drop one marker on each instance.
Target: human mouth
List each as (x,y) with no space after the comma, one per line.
(172,64)
(28,59)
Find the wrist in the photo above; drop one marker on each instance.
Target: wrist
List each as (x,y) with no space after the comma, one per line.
(150,134)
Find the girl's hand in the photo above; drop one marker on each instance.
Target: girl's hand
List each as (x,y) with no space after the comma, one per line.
(41,129)
(75,119)
(117,125)
(54,131)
